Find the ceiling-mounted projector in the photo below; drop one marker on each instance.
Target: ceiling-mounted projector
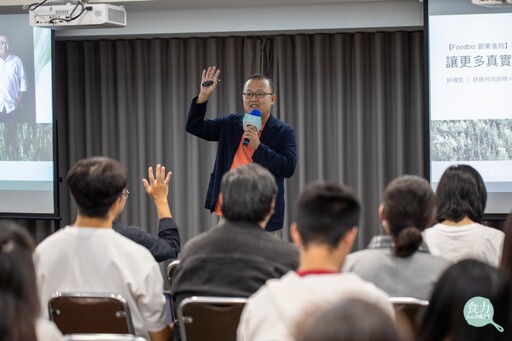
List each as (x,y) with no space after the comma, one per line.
(78,15)
(491,3)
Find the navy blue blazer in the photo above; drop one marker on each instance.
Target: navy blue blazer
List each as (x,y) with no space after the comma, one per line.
(277,152)
(163,247)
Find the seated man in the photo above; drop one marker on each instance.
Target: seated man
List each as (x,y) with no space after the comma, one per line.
(325,230)
(90,256)
(236,258)
(167,245)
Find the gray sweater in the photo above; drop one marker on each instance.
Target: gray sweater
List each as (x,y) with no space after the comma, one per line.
(413,276)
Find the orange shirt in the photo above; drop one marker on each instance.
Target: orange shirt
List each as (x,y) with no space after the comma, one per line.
(243,156)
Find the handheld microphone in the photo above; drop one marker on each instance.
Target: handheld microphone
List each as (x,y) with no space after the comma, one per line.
(209,82)
(252,119)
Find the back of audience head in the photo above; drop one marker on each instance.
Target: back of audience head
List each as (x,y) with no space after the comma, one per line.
(506,257)
(444,319)
(461,193)
(349,320)
(408,207)
(248,194)
(19,300)
(326,212)
(96,183)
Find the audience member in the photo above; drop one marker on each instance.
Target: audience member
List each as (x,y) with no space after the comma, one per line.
(19,301)
(460,293)
(324,230)
(236,258)
(90,256)
(461,198)
(349,320)
(167,245)
(399,262)
(506,258)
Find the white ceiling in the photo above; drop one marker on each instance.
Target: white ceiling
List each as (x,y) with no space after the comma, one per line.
(16,6)
(143,4)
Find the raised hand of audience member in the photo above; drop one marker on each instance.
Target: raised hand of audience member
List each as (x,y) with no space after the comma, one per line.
(157,187)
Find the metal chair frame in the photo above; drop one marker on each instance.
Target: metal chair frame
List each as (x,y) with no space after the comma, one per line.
(216,305)
(80,301)
(102,337)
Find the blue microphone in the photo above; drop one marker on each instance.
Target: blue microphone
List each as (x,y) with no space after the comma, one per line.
(252,119)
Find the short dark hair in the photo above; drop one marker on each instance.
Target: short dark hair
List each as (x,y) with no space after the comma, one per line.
(342,322)
(247,193)
(461,193)
(506,257)
(96,183)
(19,297)
(262,76)
(408,206)
(461,282)
(326,212)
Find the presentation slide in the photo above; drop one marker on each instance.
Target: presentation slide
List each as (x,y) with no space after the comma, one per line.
(470,75)
(27,179)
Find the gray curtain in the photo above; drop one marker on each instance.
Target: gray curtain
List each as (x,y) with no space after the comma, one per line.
(356,103)
(354,99)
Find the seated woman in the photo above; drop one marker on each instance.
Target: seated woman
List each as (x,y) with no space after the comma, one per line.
(461,198)
(464,288)
(19,300)
(399,262)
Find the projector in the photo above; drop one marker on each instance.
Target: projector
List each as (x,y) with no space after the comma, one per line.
(491,3)
(74,15)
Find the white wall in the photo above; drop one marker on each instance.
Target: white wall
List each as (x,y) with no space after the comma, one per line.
(349,16)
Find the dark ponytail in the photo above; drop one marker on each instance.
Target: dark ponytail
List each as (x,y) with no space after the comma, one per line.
(407,242)
(408,208)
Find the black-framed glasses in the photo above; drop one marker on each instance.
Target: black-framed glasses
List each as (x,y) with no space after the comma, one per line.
(125,193)
(258,95)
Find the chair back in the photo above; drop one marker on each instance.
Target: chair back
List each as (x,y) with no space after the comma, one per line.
(409,311)
(90,313)
(102,337)
(210,318)
(171,272)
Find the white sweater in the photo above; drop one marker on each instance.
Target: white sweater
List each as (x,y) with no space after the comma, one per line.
(467,241)
(273,312)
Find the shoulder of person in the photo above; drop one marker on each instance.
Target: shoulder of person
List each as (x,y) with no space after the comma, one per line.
(196,243)
(277,121)
(133,251)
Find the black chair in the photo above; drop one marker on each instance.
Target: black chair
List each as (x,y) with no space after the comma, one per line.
(210,318)
(75,313)
(171,274)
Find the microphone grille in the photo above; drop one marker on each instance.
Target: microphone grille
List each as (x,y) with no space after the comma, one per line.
(256,112)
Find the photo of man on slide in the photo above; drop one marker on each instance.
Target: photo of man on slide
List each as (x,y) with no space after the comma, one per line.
(13,79)
(26,129)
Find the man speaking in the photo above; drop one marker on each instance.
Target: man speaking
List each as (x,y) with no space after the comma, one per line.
(268,141)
